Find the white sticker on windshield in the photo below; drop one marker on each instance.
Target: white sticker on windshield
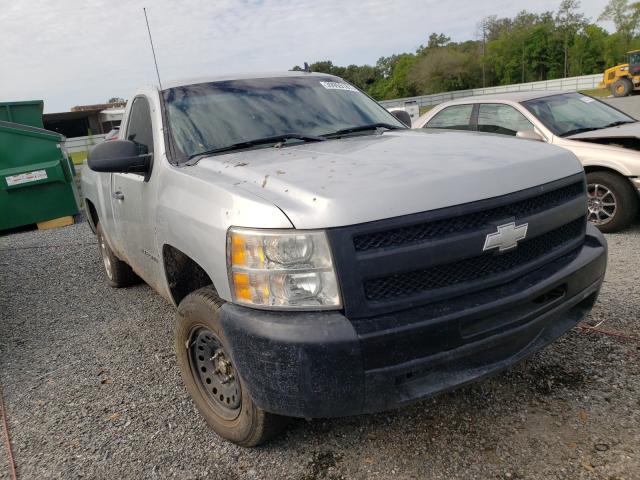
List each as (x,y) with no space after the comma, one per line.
(587,99)
(338,86)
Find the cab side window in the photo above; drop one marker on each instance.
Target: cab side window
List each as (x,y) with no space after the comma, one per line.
(139,128)
(457,117)
(501,119)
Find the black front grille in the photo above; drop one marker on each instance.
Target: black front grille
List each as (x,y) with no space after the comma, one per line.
(429,257)
(463,223)
(472,269)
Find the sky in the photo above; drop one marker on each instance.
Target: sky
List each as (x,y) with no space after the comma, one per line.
(78,52)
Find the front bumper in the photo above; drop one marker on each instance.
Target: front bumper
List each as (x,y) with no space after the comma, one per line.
(321,364)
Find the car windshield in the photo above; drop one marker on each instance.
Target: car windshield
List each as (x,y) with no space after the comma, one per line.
(570,113)
(219,116)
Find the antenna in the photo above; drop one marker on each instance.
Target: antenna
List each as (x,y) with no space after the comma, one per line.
(153,50)
(168,134)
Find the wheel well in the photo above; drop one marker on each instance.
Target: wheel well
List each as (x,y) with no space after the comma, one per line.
(184,275)
(93,214)
(596,168)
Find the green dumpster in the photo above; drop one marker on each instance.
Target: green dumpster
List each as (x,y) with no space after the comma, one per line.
(36,176)
(27,112)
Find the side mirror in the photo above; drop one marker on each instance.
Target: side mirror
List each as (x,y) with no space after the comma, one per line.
(121,156)
(529,135)
(403,116)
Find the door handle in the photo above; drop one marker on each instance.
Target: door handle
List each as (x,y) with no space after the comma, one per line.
(118,195)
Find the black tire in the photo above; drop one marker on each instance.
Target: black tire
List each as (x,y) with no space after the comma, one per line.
(200,343)
(119,273)
(622,87)
(614,217)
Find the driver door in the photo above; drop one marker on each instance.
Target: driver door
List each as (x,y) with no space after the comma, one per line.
(130,197)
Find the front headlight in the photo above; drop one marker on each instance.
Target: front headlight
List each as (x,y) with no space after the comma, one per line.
(281,269)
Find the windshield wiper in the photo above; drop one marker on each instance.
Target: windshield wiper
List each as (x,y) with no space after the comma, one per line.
(590,129)
(580,130)
(619,122)
(251,143)
(362,128)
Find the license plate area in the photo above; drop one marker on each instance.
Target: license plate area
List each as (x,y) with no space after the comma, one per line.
(510,318)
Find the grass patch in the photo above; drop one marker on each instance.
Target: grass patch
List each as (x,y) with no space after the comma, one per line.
(78,158)
(424,110)
(597,92)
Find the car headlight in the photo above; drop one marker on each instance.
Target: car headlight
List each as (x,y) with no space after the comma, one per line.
(281,269)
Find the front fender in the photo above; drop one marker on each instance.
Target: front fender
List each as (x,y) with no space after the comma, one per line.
(195,211)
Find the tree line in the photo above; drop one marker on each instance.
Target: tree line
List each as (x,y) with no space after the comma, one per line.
(526,48)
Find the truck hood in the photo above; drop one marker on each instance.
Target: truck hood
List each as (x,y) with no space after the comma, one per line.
(365,178)
(625,136)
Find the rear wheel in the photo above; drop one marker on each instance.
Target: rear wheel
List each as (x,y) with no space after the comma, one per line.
(210,375)
(119,274)
(622,87)
(612,201)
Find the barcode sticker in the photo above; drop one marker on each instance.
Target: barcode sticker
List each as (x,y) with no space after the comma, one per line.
(26,177)
(338,86)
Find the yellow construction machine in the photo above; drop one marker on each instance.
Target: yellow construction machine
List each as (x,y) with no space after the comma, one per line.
(624,78)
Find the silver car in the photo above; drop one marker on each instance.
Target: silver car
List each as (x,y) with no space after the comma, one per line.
(325,259)
(605,140)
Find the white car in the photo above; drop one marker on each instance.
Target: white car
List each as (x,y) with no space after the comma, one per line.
(411,108)
(605,140)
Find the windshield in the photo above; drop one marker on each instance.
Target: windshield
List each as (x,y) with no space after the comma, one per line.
(570,113)
(213,116)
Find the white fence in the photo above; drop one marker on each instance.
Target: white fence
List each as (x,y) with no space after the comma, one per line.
(82,144)
(572,84)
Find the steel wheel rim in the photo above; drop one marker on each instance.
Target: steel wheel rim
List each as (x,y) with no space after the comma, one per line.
(105,258)
(601,203)
(214,374)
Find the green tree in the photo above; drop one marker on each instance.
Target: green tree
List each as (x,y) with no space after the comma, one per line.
(325,66)
(361,76)
(523,48)
(587,54)
(568,22)
(614,49)
(625,17)
(395,84)
(437,40)
(444,69)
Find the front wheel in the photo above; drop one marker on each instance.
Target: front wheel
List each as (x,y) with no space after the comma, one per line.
(612,201)
(211,377)
(119,273)
(622,87)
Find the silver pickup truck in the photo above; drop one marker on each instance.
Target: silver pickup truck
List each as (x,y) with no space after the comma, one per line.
(326,260)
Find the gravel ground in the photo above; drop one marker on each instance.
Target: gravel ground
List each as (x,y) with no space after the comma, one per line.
(92,390)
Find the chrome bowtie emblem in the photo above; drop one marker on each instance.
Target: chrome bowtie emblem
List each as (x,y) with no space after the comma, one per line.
(506,238)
